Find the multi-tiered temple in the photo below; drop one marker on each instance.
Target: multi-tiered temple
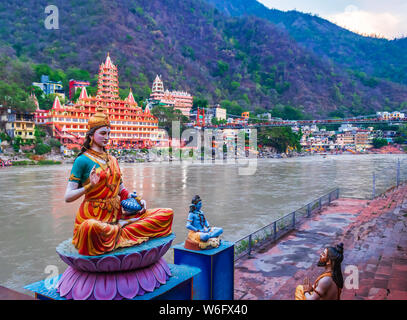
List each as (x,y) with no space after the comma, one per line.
(180,100)
(130,125)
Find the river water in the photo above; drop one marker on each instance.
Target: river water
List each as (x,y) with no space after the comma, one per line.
(34,218)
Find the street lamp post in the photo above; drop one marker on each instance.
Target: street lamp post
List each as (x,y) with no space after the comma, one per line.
(374,186)
(398,172)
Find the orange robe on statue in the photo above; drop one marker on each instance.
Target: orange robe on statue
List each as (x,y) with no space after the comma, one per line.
(96,229)
(299,291)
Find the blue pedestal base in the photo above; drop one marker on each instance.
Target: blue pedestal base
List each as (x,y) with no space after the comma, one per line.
(216,280)
(178,287)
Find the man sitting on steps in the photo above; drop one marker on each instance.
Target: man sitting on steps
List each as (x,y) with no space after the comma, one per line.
(329,284)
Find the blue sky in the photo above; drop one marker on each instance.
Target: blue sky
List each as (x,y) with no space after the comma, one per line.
(385,18)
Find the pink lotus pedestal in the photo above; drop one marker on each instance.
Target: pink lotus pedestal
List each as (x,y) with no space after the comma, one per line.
(122,274)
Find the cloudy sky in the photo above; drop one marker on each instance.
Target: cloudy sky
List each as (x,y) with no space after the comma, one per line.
(387,18)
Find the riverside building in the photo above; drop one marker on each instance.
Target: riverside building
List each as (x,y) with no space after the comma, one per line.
(131,127)
(18,124)
(50,87)
(180,100)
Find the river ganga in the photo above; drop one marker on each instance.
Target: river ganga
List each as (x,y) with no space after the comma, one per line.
(34,217)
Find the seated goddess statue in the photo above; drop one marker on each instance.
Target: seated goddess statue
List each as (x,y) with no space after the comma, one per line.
(101,225)
(201,235)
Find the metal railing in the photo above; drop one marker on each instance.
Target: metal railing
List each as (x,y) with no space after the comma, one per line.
(381,183)
(281,226)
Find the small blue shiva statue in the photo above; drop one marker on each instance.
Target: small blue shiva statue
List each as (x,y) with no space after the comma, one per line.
(201,235)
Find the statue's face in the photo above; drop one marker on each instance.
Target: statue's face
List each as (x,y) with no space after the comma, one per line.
(323,258)
(101,136)
(198,206)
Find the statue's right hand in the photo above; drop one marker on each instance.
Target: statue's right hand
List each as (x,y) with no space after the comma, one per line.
(307,285)
(94,177)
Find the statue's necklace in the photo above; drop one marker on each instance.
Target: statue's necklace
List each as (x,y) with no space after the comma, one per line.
(102,156)
(201,219)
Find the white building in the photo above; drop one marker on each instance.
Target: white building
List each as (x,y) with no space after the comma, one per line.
(346,127)
(395,115)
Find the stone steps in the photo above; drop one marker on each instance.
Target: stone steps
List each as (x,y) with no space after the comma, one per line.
(375,241)
(382,260)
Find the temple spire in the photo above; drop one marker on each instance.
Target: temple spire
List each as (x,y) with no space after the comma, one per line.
(84,93)
(108,62)
(158,85)
(34,98)
(130,97)
(57,104)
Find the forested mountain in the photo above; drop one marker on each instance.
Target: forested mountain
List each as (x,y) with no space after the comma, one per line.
(243,62)
(375,56)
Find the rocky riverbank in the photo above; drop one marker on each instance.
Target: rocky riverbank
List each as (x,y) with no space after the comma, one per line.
(140,156)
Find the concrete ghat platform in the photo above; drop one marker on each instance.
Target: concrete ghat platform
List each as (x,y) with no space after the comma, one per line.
(9,294)
(374,234)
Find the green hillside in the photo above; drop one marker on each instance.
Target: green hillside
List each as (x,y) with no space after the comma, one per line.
(377,57)
(244,63)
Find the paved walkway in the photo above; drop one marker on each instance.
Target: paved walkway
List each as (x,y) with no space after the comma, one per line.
(375,237)
(8,294)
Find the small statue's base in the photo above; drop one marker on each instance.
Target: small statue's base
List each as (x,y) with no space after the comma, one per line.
(193,245)
(215,282)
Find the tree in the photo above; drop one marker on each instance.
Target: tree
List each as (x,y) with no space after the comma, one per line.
(279,138)
(259,110)
(54,74)
(399,140)
(17,142)
(287,112)
(336,114)
(77,74)
(234,85)
(188,52)
(54,143)
(11,95)
(403,130)
(200,103)
(38,134)
(222,68)
(216,121)
(42,148)
(379,142)
(124,93)
(232,107)
(166,115)
(4,136)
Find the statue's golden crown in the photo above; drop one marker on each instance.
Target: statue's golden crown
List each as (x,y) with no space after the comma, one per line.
(99,119)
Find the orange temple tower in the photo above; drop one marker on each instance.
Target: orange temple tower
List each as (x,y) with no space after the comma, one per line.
(131,127)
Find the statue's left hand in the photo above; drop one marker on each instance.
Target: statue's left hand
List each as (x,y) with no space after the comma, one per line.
(140,212)
(143,209)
